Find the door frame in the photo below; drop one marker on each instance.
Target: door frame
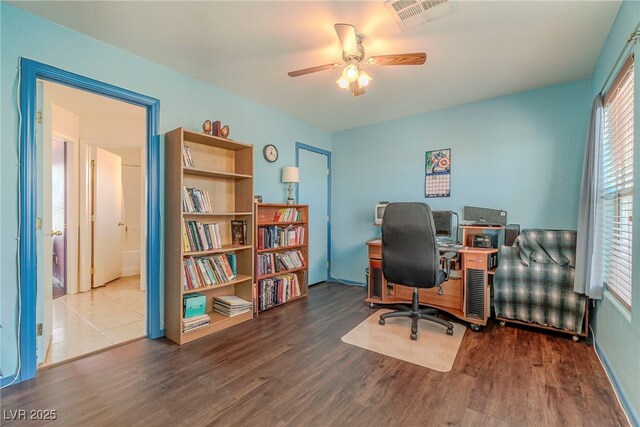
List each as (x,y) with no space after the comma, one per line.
(30,71)
(301,146)
(65,145)
(71,146)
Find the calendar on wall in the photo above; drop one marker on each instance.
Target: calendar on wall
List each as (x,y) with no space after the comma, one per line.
(437,181)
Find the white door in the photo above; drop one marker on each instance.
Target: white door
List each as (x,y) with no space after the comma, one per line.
(44,233)
(314,191)
(108,217)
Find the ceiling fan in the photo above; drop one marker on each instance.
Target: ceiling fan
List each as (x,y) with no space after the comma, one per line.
(353,77)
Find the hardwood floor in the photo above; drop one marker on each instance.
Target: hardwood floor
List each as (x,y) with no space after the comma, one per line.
(289,367)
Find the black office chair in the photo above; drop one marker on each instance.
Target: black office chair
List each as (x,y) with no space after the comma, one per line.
(411,257)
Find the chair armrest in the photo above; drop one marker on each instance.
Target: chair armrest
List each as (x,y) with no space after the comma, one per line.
(509,262)
(447,256)
(508,251)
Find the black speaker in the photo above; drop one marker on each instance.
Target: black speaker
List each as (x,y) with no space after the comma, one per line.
(485,241)
(511,231)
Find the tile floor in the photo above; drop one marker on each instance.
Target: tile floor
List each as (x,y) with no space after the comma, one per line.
(89,321)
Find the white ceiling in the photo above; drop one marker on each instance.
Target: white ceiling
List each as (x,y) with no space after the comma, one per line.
(85,103)
(487,49)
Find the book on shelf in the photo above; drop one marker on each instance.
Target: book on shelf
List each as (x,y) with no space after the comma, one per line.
(287,215)
(233,263)
(187,160)
(193,305)
(196,322)
(239,232)
(196,200)
(231,305)
(277,290)
(206,271)
(276,262)
(273,236)
(200,236)
(290,259)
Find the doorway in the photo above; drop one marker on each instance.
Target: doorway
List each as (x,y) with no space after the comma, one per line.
(97,234)
(30,71)
(315,190)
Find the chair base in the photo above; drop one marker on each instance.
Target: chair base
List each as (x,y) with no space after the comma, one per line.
(416,313)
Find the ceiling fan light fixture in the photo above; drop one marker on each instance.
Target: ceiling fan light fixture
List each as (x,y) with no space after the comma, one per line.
(343,83)
(350,73)
(364,79)
(353,56)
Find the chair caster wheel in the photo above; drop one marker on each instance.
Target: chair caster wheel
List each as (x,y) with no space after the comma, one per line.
(381,321)
(414,336)
(371,305)
(449,331)
(475,328)
(575,338)
(503,323)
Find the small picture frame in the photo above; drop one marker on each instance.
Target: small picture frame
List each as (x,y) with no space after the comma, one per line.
(257,198)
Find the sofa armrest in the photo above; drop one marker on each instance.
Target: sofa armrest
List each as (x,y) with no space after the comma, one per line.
(509,251)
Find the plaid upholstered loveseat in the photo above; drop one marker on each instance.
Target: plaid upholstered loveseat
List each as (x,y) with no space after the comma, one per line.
(534,280)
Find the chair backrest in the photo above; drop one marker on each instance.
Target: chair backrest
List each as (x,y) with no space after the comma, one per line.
(410,254)
(547,247)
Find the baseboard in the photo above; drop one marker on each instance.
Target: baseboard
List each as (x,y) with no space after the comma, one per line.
(346,281)
(5,381)
(133,271)
(622,396)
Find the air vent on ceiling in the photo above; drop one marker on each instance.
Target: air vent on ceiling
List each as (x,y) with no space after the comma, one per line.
(410,14)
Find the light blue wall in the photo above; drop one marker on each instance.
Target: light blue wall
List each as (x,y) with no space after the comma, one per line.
(184,101)
(617,328)
(521,153)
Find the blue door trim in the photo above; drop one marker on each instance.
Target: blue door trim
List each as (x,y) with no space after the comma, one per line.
(301,146)
(30,71)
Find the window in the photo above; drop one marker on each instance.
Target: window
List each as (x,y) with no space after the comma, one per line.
(616,189)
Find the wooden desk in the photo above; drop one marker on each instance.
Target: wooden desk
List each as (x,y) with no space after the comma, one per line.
(466,297)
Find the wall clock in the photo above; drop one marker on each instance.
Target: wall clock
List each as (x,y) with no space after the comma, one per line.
(270,153)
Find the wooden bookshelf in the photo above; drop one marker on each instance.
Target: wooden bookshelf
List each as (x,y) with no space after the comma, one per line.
(265,214)
(224,169)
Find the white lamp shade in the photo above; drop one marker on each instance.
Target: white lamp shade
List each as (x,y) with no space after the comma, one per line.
(290,174)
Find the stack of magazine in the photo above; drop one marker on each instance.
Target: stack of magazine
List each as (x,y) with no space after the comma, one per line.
(231,305)
(195,322)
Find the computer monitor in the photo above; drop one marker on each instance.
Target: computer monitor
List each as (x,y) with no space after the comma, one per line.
(442,222)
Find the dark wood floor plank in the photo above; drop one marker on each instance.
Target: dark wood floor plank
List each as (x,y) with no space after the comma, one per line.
(290,367)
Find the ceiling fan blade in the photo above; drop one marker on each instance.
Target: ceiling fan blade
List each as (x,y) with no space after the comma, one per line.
(418,58)
(312,70)
(347,35)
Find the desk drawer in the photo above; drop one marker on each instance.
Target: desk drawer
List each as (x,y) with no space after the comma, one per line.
(451,294)
(475,260)
(375,251)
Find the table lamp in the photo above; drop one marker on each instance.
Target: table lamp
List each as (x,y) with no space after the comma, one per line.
(290,175)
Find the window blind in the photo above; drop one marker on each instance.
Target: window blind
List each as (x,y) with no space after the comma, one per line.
(616,189)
